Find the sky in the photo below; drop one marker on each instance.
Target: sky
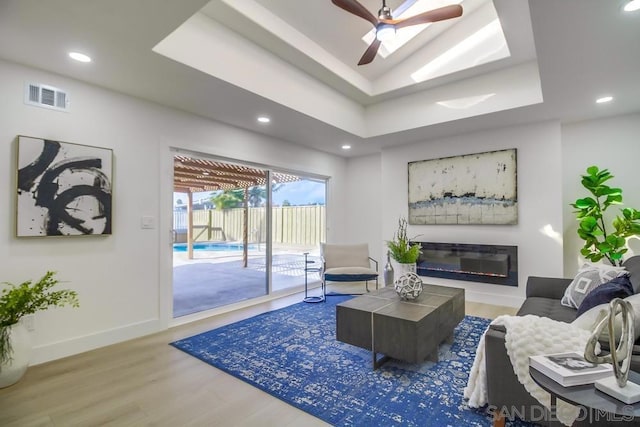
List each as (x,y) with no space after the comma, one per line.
(297,193)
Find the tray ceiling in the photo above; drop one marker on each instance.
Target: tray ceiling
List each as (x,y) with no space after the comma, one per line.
(295,61)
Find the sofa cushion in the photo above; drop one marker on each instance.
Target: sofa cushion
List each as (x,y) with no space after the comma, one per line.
(633,267)
(349,274)
(547,307)
(589,277)
(620,287)
(587,320)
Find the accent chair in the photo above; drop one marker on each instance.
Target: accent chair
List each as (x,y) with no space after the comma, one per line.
(348,263)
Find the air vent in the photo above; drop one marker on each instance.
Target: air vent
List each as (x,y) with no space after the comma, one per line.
(46,96)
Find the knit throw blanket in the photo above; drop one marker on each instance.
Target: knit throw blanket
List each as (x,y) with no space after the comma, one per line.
(528,336)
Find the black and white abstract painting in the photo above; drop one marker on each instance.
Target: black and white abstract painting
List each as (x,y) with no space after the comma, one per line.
(476,188)
(64,189)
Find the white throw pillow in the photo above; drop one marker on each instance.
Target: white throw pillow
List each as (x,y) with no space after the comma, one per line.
(587,320)
(589,277)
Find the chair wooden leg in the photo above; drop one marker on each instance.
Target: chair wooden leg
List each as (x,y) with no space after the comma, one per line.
(498,419)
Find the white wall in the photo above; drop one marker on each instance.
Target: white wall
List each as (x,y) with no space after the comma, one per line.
(364,204)
(123,279)
(539,199)
(612,144)
(237,61)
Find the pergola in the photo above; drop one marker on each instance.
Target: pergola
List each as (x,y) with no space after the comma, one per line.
(192,175)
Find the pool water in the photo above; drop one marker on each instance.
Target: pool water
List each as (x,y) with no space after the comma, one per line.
(209,246)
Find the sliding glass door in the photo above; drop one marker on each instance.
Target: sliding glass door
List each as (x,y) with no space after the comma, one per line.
(236,226)
(298,227)
(219,255)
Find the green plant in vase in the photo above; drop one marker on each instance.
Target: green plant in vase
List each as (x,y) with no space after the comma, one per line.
(600,241)
(17,301)
(401,248)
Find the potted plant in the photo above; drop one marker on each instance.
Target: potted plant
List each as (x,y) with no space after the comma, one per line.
(600,241)
(401,249)
(17,301)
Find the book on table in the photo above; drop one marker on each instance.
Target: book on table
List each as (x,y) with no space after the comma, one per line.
(569,369)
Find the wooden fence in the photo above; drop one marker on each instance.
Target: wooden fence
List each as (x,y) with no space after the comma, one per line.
(295,225)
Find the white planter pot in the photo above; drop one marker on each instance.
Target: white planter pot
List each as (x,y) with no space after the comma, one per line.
(401,268)
(11,372)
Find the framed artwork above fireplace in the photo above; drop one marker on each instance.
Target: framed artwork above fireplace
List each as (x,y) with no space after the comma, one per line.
(476,188)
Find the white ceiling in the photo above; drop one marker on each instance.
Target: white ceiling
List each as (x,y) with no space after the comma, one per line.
(232,60)
(326,42)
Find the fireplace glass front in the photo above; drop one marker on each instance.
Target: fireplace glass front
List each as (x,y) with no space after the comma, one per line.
(495,264)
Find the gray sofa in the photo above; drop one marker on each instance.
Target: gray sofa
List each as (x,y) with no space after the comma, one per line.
(543,299)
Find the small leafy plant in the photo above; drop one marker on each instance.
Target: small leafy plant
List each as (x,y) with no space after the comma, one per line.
(601,242)
(400,247)
(17,301)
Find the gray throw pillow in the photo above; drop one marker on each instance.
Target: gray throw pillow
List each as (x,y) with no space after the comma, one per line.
(589,277)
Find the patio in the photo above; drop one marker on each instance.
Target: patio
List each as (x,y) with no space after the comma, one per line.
(208,282)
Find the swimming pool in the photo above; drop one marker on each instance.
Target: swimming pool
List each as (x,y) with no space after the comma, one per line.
(212,246)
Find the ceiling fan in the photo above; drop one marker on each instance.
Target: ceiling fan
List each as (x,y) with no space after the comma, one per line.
(386,25)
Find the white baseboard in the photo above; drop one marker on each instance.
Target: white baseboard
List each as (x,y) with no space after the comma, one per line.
(494,299)
(485,293)
(58,350)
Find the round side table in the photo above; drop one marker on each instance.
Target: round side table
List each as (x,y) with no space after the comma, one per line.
(602,406)
(307,269)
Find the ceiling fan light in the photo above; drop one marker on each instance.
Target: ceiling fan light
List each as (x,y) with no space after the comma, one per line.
(385,32)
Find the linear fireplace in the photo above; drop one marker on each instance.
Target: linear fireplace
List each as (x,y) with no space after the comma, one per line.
(474,263)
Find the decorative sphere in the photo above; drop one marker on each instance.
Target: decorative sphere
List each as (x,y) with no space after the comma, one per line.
(408,286)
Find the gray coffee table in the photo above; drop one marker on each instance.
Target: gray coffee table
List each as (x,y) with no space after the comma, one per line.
(406,330)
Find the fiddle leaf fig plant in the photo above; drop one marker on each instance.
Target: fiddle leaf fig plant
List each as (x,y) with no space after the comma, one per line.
(599,241)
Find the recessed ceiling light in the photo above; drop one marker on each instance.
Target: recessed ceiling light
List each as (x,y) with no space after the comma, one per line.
(205,173)
(604,99)
(632,6)
(80,57)
(346,147)
(264,119)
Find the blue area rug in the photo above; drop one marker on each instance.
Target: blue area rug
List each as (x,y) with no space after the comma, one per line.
(292,354)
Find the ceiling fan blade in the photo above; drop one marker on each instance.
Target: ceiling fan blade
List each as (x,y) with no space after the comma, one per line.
(353,6)
(435,15)
(370,53)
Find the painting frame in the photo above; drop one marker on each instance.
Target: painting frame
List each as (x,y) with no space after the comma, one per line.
(62,188)
(470,189)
